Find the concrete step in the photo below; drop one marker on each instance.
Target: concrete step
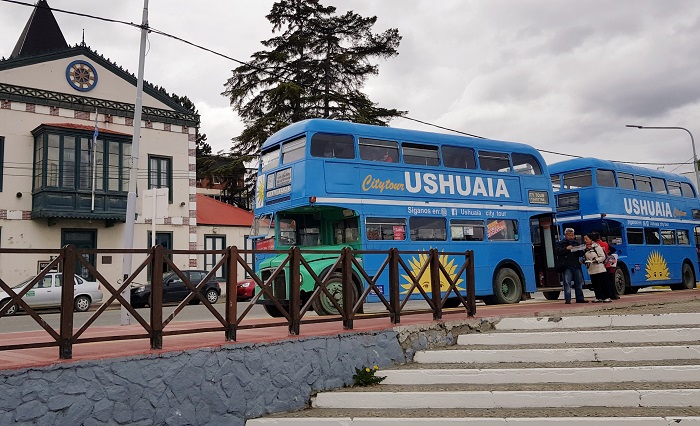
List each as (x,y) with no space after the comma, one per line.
(529,421)
(490,356)
(582,337)
(508,399)
(599,321)
(665,374)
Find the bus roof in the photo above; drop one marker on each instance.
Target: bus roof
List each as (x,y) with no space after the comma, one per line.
(587,163)
(392,133)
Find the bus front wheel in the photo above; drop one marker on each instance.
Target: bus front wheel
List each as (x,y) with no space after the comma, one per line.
(507,287)
(322,304)
(688,276)
(273,311)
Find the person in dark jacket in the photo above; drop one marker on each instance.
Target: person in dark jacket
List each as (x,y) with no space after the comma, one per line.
(569,251)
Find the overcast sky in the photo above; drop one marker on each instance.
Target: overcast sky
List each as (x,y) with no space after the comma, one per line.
(560,75)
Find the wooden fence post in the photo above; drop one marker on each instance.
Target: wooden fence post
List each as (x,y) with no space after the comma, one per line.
(157,297)
(294,290)
(231,294)
(471,297)
(67,296)
(394,293)
(435,286)
(347,287)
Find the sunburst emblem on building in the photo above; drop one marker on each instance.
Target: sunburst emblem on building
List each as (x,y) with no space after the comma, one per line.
(424,280)
(260,192)
(656,267)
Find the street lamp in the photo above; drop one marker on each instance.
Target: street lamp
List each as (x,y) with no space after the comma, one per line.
(692,141)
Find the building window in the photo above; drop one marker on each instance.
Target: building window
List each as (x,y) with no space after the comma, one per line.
(160,174)
(64,159)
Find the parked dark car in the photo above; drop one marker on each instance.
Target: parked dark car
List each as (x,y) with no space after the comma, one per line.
(175,290)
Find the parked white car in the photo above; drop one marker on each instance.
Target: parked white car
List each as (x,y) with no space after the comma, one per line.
(47,293)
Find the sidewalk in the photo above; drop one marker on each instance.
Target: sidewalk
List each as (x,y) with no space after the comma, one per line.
(40,357)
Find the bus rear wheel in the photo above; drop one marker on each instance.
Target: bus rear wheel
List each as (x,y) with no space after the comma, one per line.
(688,276)
(322,304)
(620,282)
(507,287)
(551,295)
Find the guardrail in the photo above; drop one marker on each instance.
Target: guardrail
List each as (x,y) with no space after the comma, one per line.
(291,309)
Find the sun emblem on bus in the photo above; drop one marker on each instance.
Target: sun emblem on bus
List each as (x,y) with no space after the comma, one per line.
(424,280)
(656,267)
(260,192)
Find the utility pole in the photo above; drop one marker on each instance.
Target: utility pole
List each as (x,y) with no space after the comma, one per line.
(133,172)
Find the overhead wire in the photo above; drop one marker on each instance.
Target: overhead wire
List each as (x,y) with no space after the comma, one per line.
(206,49)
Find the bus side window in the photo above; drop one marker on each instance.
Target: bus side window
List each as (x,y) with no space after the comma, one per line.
(635,236)
(503,230)
(332,146)
(428,229)
(458,157)
(668,237)
(466,230)
(385,228)
(682,237)
(651,236)
(526,164)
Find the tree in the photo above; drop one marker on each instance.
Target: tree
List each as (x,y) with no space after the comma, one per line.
(315,66)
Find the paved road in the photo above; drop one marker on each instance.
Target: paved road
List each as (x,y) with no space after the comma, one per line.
(22,322)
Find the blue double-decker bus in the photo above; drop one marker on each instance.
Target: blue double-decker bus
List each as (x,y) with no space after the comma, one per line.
(328,184)
(651,218)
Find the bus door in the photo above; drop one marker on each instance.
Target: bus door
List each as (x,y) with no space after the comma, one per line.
(543,232)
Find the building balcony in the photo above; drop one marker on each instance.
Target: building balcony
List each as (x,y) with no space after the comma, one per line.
(72,204)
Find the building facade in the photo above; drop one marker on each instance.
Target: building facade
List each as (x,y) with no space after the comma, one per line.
(66,125)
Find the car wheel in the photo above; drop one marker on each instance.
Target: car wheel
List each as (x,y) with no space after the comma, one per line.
(322,304)
(507,287)
(212,296)
(82,303)
(11,310)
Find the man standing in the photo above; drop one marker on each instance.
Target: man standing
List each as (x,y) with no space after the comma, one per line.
(569,253)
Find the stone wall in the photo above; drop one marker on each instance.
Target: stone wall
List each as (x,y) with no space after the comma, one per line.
(223,385)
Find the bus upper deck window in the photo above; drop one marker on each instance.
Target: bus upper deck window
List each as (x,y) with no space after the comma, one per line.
(556,183)
(379,150)
(605,178)
(293,150)
(625,181)
(458,157)
(579,179)
(674,188)
(658,185)
(270,160)
(494,161)
(643,183)
(424,155)
(332,146)
(526,164)
(687,190)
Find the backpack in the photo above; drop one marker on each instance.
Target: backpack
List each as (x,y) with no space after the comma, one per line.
(611,261)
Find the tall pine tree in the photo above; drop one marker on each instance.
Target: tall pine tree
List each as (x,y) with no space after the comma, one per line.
(315,66)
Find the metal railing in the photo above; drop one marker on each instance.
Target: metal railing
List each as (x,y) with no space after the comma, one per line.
(440,285)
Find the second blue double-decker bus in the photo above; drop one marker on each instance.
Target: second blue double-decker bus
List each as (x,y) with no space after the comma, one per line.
(649,216)
(328,184)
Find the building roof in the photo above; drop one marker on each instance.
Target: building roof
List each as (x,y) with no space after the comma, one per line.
(214,212)
(41,34)
(84,127)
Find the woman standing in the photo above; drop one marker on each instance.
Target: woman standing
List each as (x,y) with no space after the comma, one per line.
(594,259)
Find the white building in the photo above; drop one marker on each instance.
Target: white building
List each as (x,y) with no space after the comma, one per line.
(51,96)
